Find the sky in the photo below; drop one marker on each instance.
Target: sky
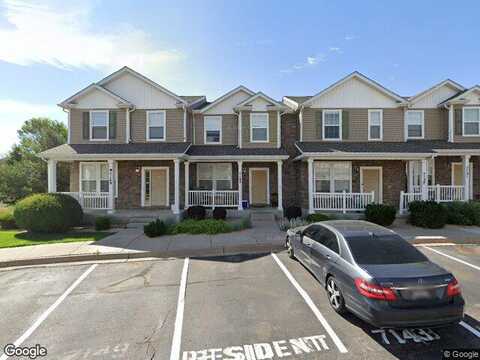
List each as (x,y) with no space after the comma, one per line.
(52,49)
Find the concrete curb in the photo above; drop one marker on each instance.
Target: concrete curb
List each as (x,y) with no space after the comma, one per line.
(218,251)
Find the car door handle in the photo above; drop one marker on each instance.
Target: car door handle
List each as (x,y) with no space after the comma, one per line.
(328,257)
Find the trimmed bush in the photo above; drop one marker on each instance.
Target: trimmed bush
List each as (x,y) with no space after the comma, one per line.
(48,213)
(155,228)
(219,213)
(208,226)
(7,220)
(427,214)
(102,223)
(196,213)
(293,212)
(311,218)
(463,213)
(380,214)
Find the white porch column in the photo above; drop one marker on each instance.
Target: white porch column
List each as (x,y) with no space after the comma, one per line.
(52,175)
(424,179)
(240,184)
(111,186)
(176,204)
(279,184)
(187,182)
(451,123)
(310,186)
(466,177)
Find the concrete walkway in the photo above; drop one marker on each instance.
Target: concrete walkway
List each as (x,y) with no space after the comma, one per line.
(264,236)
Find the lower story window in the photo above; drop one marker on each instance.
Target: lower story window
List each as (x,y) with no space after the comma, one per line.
(332,176)
(94,177)
(214,176)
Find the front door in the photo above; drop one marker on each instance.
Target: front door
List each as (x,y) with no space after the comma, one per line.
(371,180)
(155,187)
(457,175)
(259,187)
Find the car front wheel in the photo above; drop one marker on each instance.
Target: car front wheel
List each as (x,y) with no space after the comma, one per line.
(335,296)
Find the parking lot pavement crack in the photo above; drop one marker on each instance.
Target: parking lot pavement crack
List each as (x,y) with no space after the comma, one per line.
(151,350)
(142,274)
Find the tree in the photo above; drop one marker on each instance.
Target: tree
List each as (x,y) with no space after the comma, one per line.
(22,172)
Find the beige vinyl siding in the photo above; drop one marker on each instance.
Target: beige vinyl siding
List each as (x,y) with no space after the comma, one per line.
(460,138)
(272,124)
(358,125)
(174,125)
(76,127)
(229,129)
(436,124)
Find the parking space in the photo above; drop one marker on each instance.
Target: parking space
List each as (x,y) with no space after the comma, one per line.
(250,307)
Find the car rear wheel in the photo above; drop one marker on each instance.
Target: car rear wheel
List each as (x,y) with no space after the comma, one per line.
(335,296)
(289,247)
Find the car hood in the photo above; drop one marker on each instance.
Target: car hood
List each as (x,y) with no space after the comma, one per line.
(410,270)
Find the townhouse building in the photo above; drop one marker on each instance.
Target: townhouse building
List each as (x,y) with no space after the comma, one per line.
(134,144)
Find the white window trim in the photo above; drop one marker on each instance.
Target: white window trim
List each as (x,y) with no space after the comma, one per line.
(332,178)
(406,124)
(463,121)
(98,170)
(370,124)
(213,178)
(268,128)
(205,130)
(91,124)
(164,125)
(324,112)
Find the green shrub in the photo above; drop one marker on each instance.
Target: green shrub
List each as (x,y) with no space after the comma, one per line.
(244,223)
(380,214)
(196,212)
(102,223)
(48,213)
(219,213)
(311,218)
(155,228)
(463,213)
(293,212)
(208,226)
(427,214)
(7,220)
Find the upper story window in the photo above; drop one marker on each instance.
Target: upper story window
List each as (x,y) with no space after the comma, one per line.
(213,130)
(214,176)
(259,131)
(94,177)
(414,124)
(332,124)
(471,121)
(156,125)
(99,125)
(375,124)
(333,176)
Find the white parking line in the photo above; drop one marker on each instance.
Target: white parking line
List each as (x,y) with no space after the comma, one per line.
(341,347)
(52,307)
(470,328)
(453,258)
(177,332)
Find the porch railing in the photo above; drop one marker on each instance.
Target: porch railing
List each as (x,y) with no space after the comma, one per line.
(437,193)
(342,201)
(91,200)
(213,198)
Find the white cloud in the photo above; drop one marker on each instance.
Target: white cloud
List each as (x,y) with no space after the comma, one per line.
(60,35)
(312,60)
(335,49)
(14,113)
(350,37)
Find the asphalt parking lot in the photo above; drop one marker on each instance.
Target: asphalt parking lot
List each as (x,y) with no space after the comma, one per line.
(244,307)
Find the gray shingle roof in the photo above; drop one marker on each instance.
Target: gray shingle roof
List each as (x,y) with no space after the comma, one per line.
(417,146)
(231,150)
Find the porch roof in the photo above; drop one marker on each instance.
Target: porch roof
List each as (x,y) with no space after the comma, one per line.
(234,151)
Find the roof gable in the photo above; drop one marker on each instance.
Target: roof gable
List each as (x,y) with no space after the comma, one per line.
(261,102)
(140,90)
(225,104)
(435,95)
(94,96)
(467,97)
(355,90)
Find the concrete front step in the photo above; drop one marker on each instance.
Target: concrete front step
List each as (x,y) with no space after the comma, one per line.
(262,216)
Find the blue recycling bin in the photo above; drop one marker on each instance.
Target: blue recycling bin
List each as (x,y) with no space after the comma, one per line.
(245,204)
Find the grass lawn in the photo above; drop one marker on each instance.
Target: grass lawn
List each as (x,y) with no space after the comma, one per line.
(14,238)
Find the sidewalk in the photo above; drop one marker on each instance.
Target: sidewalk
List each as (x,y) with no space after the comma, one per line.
(264,236)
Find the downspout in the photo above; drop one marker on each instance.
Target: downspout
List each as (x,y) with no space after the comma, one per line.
(300,119)
(450,122)
(128,137)
(184,123)
(68,124)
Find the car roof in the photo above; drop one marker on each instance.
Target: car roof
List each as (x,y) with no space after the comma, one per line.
(349,228)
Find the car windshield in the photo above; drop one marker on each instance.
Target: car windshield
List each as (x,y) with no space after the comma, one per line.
(385,249)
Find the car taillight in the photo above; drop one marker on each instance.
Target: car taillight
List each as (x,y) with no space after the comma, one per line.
(374,291)
(453,288)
